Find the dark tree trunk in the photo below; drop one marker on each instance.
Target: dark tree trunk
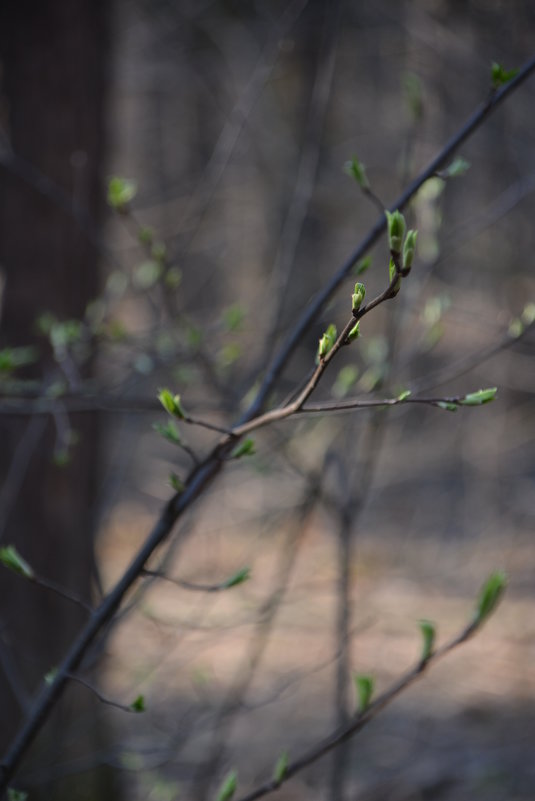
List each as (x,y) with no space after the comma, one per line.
(53,88)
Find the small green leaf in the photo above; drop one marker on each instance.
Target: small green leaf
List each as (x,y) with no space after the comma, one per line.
(233,317)
(479,398)
(11,358)
(357,170)
(345,380)
(358,296)
(16,795)
(138,705)
(120,192)
(229,354)
(281,768)
(490,594)
(145,235)
(238,578)
(404,395)
(449,407)
(176,483)
(327,341)
(391,274)
(409,248)
(428,635)
(10,558)
(173,277)
(413,94)
(528,314)
(364,686)
(457,167)
(228,786)
(146,275)
(171,403)
(245,448)
(354,333)
(500,75)
(396,230)
(169,431)
(362,265)
(159,252)
(50,677)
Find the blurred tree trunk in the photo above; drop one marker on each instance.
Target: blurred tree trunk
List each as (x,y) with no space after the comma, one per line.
(53,90)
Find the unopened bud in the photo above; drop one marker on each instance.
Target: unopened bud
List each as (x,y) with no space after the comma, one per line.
(409,248)
(396,230)
(358,296)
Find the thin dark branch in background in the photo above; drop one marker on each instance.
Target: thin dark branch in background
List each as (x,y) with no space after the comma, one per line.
(186,585)
(221,727)
(18,468)
(306,176)
(203,475)
(12,674)
(213,172)
(102,698)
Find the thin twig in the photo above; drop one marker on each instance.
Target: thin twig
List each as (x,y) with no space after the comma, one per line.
(98,694)
(361,719)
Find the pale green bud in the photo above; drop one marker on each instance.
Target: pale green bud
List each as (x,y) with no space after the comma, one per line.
(354,333)
(358,296)
(396,230)
(327,341)
(409,248)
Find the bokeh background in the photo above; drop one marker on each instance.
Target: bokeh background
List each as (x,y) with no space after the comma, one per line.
(235,121)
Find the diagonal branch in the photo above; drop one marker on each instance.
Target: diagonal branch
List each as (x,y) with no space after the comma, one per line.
(203,474)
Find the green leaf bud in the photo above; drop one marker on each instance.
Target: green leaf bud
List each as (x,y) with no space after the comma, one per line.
(396,230)
(354,333)
(409,248)
(392,270)
(428,635)
(490,594)
(327,341)
(245,448)
(169,431)
(171,403)
(447,406)
(358,296)
(138,705)
(176,483)
(357,170)
(120,192)
(281,768)
(10,558)
(50,677)
(16,795)
(364,686)
(145,235)
(362,265)
(238,578)
(500,75)
(457,167)
(480,397)
(228,786)
(528,314)
(404,395)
